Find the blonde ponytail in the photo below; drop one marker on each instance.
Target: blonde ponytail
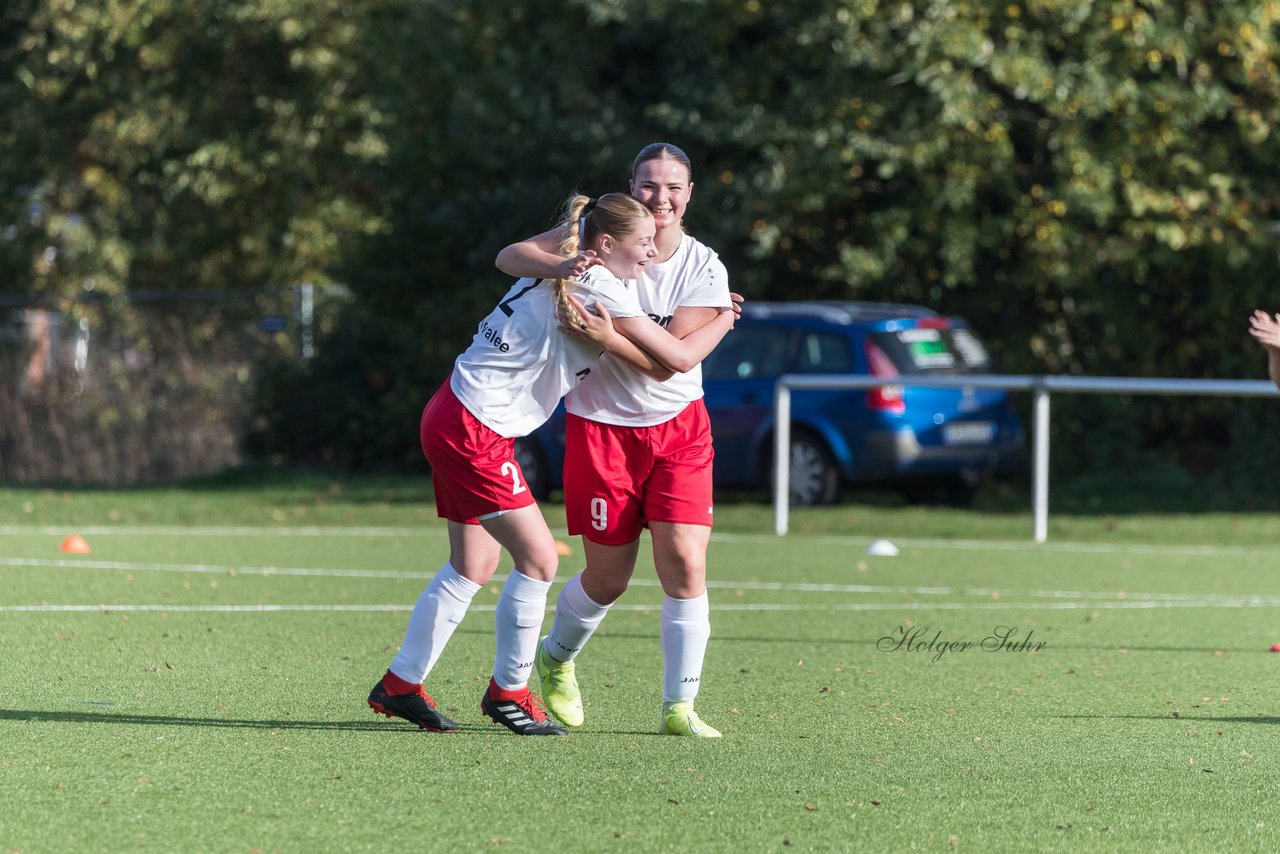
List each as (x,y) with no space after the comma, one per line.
(575,220)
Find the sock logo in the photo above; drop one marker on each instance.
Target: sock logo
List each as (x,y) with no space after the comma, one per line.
(690,679)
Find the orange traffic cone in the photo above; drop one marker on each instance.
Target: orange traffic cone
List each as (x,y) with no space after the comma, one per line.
(563,548)
(75,545)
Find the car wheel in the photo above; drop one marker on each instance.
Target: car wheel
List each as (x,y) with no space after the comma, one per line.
(535,470)
(813,478)
(962,488)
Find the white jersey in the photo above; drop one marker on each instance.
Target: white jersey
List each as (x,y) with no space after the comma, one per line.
(519,364)
(615,392)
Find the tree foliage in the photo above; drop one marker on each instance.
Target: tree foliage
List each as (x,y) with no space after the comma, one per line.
(180,144)
(1092,184)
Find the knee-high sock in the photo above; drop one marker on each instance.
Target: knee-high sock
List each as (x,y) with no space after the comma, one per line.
(517,623)
(437,613)
(577,618)
(686,628)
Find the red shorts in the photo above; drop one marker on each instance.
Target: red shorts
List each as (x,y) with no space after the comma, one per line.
(618,479)
(473,469)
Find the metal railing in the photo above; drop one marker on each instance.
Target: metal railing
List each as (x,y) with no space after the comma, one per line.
(1040,388)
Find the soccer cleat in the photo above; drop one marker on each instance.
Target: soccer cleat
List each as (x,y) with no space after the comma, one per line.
(417,708)
(518,711)
(681,719)
(559,688)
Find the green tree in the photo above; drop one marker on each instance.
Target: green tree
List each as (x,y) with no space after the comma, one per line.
(160,149)
(182,144)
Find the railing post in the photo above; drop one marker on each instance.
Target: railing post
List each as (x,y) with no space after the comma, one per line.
(781,456)
(1040,462)
(307,312)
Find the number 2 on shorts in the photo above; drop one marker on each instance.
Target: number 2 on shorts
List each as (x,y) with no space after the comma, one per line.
(599,514)
(513,470)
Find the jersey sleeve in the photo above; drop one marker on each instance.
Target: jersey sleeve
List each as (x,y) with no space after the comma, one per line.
(619,298)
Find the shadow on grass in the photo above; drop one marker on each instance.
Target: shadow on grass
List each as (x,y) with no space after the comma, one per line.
(66,716)
(391,727)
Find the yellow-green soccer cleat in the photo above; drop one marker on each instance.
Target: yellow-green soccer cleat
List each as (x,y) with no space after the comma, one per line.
(681,719)
(559,688)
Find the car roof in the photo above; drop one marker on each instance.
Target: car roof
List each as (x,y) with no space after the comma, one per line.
(843,312)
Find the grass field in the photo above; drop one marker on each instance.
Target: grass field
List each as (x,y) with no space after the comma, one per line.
(198,682)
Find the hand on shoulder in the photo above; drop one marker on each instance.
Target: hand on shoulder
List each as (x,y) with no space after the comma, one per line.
(1266,329)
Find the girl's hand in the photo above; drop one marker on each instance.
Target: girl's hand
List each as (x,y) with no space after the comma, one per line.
(1266,329)
(575,266)
(595,327)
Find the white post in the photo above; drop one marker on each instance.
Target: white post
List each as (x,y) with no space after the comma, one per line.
(1040,477)
(307,312)
(781,456)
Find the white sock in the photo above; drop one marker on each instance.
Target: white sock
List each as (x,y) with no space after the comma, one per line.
(577,617)
(437,613)
(517,624)
(686,628)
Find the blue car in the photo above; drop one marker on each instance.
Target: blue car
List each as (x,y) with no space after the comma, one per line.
(909,436)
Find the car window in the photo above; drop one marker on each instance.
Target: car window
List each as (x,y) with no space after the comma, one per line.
(920,351)
(748,352)
(824,353)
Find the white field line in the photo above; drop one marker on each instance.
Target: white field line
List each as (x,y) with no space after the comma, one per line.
(656,607)
(1014,545)
(436,531)
(216,569)
(980,598)
(799,587)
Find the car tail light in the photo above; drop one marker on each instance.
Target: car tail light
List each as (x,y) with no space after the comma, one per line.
(885,398)
(933,323)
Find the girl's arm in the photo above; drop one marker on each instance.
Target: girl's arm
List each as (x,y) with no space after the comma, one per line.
(688,318)
(599,329)
(539,258)
(1266,329)
(677,354)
